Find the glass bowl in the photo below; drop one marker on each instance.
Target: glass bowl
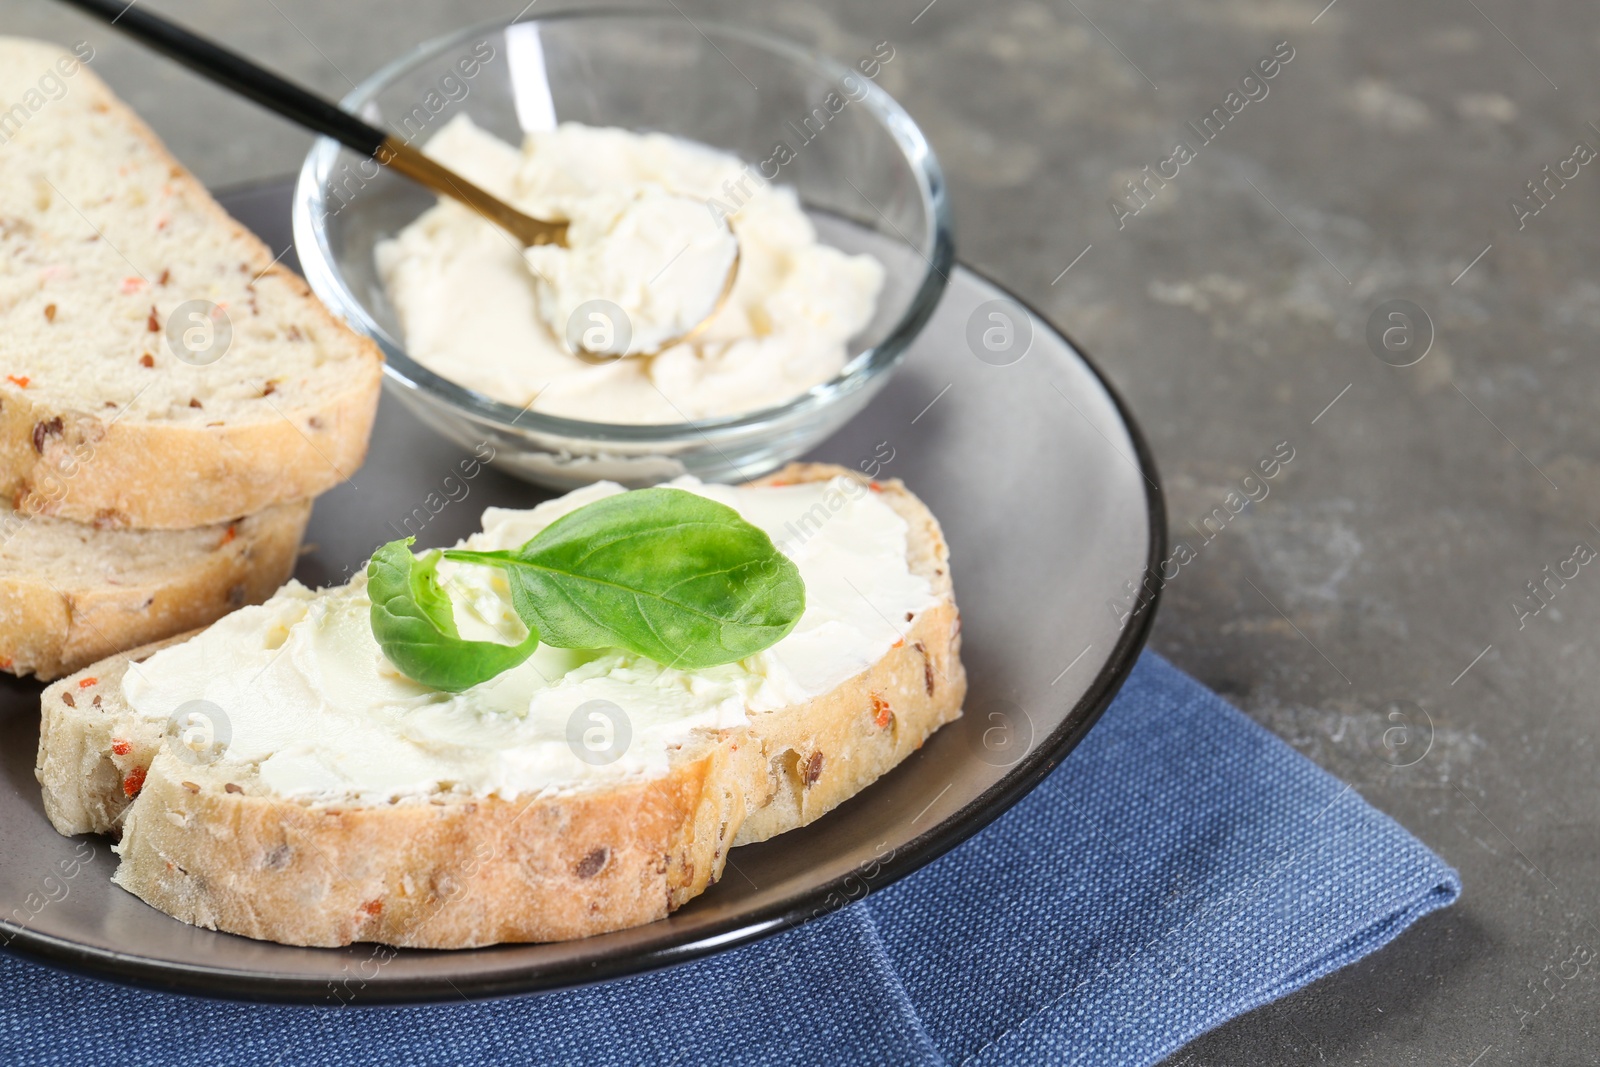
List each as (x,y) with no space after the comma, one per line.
(862,168)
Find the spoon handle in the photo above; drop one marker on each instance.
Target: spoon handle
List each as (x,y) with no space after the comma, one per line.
(233,71)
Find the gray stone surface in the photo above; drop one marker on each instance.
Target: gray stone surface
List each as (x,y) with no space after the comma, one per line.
(1232,310)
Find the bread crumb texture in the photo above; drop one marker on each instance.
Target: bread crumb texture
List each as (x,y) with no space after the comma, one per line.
(150,347)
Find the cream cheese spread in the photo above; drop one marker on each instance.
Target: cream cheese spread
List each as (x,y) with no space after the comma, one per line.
(611,237)
(646,238)
(308,699)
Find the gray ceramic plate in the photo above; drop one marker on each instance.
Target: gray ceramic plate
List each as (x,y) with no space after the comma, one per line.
(1050,503)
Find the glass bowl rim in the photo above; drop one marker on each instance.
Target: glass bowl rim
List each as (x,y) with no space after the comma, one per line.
(862,368)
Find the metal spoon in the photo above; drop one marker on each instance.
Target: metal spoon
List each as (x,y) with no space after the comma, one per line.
(233,71)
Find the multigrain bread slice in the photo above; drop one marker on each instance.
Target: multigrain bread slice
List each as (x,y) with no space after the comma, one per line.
(111,258)
(71,593)
(202,843)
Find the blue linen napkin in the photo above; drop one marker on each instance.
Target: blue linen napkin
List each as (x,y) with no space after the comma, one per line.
(1181,867)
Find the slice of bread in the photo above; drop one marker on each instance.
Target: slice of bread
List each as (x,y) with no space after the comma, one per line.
(72,593)
(111,255)
(210,845)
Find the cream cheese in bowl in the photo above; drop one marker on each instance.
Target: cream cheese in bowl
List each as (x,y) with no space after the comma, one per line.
(825,177)
(649,233)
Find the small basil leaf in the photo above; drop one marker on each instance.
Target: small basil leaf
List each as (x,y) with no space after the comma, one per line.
(416,627)
(662,573)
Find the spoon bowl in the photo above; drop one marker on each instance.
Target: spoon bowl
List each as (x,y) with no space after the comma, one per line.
(527,230)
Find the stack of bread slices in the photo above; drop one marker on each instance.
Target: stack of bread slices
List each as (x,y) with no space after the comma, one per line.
(171,399)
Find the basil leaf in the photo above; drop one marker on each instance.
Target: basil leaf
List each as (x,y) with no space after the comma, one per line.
(416,627)
(663,573)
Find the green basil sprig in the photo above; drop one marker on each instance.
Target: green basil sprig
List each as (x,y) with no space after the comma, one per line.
(662,573)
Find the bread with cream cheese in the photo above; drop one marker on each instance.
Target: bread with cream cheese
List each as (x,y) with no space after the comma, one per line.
(208,844)
(72,593)
(110,249)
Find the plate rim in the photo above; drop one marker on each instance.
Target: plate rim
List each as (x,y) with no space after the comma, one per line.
(228,984)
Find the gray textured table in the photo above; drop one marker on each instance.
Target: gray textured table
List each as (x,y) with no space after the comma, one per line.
(1230,297)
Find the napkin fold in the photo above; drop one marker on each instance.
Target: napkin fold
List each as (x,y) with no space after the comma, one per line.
(1181,867)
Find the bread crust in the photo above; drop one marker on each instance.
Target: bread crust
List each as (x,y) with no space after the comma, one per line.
(95,466)
(456,872)
(53,628)
(817,760)
(127,473)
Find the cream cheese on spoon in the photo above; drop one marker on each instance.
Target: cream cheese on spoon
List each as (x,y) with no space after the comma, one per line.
(609,236)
